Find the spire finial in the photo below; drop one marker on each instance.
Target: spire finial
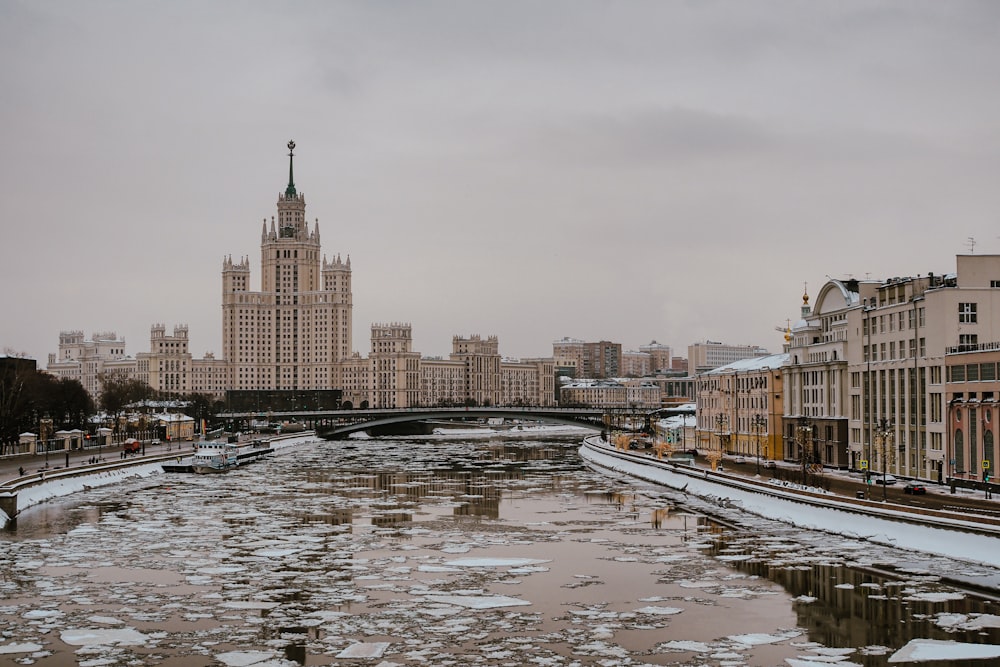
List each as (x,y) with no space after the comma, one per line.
(290,190)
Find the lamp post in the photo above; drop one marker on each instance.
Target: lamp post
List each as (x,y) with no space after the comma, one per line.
(721,421)
(715,456)
(883,433)
(804,430)
(758,423)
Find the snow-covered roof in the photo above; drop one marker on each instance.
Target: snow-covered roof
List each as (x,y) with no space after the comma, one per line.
(678,421)
(771,361)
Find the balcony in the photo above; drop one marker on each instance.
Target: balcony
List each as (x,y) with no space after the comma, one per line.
(972,347)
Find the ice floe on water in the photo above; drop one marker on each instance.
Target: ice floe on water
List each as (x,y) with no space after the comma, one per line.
(398,552)
(928,650)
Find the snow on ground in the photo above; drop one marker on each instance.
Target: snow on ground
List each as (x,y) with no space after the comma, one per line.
(964,546)
(63,486)
(57,487)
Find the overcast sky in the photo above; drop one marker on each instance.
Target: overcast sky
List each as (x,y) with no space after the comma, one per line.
(621,171)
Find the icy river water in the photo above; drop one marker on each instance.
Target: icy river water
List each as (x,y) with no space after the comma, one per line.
(450,551)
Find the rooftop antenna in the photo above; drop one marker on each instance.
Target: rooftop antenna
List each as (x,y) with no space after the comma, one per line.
(972,244)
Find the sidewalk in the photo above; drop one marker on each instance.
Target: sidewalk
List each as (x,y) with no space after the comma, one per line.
(34,463)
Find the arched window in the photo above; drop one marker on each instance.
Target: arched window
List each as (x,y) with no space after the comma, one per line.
(959,452)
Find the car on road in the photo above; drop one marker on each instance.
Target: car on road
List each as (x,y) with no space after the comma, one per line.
(885,479)
(739,459)
(915,489)
(770,465)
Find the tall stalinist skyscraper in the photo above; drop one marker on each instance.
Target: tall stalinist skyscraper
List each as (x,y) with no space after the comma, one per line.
(293,333)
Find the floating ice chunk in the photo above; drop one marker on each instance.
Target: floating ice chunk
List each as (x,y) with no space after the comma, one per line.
(222,569)
(982,621)
(817,661)
(106,620)
(849,587)
(734,557)
(249,604)
(41,613)
(244,658)
(823,650)
(943,596)
(927,650)
(495,562)
(659,611)
(755,639)
(680,645)
(26,647)
(479,601)
(92,636)
(274,553)
(456,549)
(364,650)
(437,568)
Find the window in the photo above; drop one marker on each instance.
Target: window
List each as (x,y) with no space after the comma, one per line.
(967,341)
(967,313)
(988,372)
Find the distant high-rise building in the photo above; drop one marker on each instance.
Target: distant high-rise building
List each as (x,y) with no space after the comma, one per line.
(591,360)
(660,356)
(710,354)
(294,331)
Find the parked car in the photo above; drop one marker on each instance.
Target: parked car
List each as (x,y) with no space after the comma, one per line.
(739,459)
(915,489)
(770,465)
(885,479)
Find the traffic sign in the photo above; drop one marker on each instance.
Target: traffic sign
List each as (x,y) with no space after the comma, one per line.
(864,464)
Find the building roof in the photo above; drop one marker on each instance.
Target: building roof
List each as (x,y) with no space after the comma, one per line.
(771,361)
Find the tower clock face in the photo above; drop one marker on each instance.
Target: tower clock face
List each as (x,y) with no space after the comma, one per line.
(287,232)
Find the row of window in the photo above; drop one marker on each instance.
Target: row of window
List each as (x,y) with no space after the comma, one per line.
(972,373)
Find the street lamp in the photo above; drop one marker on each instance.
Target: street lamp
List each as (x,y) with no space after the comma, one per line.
(758,423)
(805,432)
(715,456)
(721,421)
(883,433)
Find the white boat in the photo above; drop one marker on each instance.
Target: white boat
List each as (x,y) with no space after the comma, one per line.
(211,457)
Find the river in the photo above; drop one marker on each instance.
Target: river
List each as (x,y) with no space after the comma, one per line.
(450,551)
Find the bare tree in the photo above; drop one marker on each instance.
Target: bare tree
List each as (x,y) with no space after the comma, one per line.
(117,393)
(15,398)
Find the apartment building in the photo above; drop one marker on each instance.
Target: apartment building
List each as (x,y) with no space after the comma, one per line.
(293,333)
(704,356)
(739,408)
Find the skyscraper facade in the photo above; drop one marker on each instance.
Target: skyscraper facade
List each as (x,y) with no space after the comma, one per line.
(293,333)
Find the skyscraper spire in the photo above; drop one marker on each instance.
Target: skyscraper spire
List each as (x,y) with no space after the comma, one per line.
(290,190)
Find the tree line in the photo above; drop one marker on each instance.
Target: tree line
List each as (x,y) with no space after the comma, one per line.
(28,396)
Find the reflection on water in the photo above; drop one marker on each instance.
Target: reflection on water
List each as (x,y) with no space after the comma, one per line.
(427,551)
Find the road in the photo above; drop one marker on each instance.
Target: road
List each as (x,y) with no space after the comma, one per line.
(938,496)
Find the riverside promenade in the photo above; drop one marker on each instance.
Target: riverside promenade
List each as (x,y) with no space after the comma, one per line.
(19,474)
(964,510)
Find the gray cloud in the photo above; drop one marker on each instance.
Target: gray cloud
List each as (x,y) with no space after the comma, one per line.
(629,171)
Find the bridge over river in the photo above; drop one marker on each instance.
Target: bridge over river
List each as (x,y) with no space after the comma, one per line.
(334,424)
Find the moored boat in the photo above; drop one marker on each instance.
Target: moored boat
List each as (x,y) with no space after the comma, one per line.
(212,457)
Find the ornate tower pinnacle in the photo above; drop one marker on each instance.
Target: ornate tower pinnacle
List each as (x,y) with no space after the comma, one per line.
(290,190)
